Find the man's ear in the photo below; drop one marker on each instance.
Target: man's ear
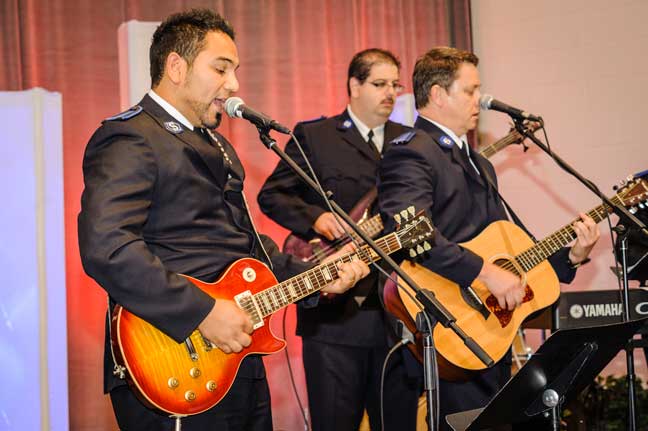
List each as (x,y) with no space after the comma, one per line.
(176,68)
(354,85)
(437,96)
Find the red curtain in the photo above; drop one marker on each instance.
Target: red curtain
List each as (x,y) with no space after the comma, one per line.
(294,56)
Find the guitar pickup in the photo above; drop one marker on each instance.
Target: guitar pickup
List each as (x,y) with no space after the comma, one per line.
(245,301)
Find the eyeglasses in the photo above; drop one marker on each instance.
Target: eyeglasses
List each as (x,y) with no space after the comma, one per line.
(382,85)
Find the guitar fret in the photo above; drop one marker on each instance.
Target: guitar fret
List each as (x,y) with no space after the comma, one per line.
(327,274)
(291,288)
(266,301)
(287,292)
(302,286)
(259,302)
(309,285)
(281,294)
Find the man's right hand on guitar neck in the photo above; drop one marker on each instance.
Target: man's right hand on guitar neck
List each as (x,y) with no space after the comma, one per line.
(328,226)
(505,286)
(227,327)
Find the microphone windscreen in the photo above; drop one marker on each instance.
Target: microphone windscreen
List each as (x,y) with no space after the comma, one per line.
(232,105)
(485,101)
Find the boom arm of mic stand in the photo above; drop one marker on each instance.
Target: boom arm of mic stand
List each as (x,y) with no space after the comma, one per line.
(431,305)
(619,210)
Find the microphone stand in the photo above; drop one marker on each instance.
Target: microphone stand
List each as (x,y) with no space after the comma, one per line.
(427,298)
(624,214)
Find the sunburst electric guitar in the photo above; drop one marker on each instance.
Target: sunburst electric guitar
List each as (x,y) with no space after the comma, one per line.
(190,377)
(477,311)
(318,248)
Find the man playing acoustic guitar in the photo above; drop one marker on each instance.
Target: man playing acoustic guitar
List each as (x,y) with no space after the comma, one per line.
(435,169)
(163,197)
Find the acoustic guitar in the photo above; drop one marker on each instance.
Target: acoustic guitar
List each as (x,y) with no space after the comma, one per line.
(188,378)
(318,248)
(476,309)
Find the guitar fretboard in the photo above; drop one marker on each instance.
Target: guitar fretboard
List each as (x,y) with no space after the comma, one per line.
(542,250)
(283,294)
(372,227)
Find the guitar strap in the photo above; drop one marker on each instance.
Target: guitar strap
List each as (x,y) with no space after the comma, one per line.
(510,211)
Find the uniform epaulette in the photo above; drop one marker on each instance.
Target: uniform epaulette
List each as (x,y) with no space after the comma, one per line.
(129,113)
(404,138)
(314,120)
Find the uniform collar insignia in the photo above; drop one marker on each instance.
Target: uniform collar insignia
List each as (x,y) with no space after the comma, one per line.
(345,125)
(173,127)
(446,141)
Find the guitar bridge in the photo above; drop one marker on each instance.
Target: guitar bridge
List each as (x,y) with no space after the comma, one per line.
(245,301)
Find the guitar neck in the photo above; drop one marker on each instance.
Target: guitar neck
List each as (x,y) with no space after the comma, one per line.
(283,294)
(542,250)
(512,138)
(372,227)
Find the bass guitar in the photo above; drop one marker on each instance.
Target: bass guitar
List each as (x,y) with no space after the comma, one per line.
(188,378)
(318,248)
(476,309)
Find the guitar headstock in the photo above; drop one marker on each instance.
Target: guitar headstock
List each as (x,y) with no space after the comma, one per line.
(415,231)
(633,192)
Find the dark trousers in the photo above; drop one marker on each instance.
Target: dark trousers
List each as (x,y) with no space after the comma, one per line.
(457,397)
(246,407)
(344,380)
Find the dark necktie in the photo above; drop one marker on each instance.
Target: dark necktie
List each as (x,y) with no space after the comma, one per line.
(465,150)
(371,142)
(204,133)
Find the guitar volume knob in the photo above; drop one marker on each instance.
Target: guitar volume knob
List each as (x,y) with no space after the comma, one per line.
(190,396)
(211,386)
(194,372)
(173,382)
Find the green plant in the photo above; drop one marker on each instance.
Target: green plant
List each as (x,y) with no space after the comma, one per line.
(603,406)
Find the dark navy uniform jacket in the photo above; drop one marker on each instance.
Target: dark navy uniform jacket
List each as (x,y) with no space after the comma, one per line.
(162,200)
(347,166)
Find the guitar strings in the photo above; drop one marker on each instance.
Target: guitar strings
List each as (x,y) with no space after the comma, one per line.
(340,242)
(388,242)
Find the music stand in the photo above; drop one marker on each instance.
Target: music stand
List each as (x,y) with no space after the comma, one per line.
(560,369)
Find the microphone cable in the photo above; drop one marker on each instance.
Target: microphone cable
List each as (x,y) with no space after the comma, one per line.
(302,410)
(406,337)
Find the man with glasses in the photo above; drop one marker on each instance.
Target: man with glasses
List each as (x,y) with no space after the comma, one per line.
(345,340)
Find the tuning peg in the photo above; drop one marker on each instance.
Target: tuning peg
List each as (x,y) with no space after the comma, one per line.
(427,246)
(411,210)
(397,217)
(419,249)
(633,210)
(641,205)
(412,253)
(404,215)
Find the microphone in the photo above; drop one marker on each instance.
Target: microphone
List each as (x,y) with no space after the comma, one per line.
(486,101)
(236,108)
